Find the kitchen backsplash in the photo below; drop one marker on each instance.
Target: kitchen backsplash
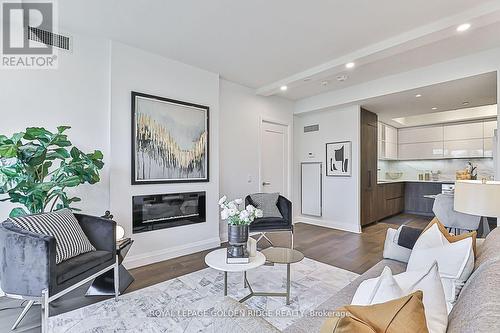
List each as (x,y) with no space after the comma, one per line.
(447,167)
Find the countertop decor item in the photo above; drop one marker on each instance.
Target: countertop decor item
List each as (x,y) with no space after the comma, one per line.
(38,166)
(238,219)
(394,175)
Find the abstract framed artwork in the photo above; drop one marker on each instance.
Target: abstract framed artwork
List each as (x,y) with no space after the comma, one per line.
(338,159)
(170,141)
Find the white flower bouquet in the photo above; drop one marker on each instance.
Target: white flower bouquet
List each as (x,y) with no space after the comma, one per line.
(235,214)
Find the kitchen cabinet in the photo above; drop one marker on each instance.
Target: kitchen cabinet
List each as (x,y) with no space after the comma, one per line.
(489,128)
(369,139)
(391,134)
(464,148)
(387,142)
(391,151)
(390,199)
(415,202)
(420,134)
(463,140)
(488,147)
(424,150)
(463,131)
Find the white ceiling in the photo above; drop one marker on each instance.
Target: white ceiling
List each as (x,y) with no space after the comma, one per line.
(477,90)
(262,43)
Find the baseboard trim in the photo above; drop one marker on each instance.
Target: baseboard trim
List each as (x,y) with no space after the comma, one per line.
(328,224)
(170,253)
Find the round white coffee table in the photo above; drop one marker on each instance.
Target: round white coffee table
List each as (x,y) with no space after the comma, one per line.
(217,260)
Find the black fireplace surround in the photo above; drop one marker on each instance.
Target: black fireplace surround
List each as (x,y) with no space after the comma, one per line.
(160,211)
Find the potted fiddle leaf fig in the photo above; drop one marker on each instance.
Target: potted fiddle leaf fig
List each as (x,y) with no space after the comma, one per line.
(38,166)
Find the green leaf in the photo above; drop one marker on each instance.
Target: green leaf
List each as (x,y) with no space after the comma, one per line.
(96,155)
(17,137)
(61,129)
(75,153)
(16,212)
(8,150)
(37,133)
(38,157)
(70,181)
(8,171)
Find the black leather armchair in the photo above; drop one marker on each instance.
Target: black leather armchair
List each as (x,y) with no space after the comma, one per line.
(273,224)
(28,268)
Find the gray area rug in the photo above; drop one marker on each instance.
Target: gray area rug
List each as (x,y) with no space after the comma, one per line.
(183,304)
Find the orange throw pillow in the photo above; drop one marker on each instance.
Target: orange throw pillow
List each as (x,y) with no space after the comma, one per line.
(404,314)
(453,238)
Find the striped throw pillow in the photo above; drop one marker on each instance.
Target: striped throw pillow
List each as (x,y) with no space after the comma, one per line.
(63,226)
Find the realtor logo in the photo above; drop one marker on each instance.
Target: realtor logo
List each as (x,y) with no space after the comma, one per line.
(27,30)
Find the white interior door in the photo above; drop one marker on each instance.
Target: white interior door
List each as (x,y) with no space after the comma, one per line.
(274,158)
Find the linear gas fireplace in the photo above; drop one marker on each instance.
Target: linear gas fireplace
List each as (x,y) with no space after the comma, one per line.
(159,211)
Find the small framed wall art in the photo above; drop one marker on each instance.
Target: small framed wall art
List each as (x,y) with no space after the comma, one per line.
(338,159)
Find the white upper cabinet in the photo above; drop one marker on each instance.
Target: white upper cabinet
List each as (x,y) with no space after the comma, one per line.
(464,148)
(381,131)
(420,151)
(391,151)
(420,134)
(464,140)
(488,147)
(391,134)
(489,128)
(387,142)
(463,131)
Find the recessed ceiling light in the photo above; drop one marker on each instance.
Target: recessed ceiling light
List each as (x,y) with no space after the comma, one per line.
(283,88)
(350,65)
(324,83)
(463,27)
(418,95)
(434,108)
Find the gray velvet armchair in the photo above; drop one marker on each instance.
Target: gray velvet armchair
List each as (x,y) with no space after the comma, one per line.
(28,268)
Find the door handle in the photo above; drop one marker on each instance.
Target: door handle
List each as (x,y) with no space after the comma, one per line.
(266,183)
(369,179)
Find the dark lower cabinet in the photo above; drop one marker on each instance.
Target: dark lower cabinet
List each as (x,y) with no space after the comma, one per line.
(415,200)
(390,199)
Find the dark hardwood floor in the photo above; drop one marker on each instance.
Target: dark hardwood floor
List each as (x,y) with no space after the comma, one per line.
(353,252)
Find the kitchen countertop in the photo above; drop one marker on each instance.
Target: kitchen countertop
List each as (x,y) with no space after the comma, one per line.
(389,181)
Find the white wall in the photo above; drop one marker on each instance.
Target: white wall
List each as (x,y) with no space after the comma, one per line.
(136,70)
(241,112)
(75,94)
(341,195)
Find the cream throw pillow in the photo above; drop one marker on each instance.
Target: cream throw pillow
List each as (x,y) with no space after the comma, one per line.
(456,260)
(427,280)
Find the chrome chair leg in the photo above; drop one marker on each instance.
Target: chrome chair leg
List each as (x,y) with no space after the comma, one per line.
(291,236)
(267,238)
(45,311)
(23,313)
(117,279)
